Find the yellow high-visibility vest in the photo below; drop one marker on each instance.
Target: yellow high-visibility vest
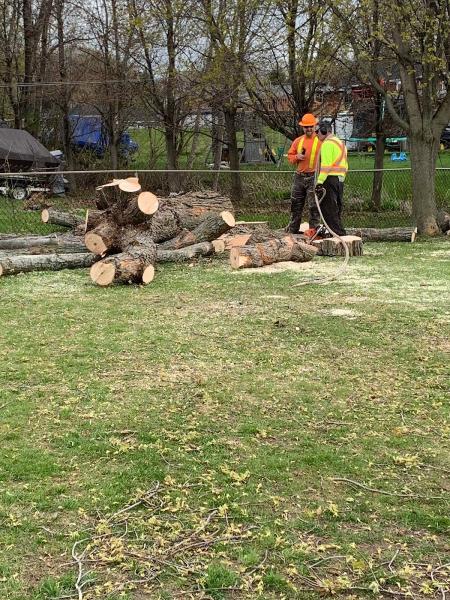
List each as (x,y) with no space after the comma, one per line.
(333,159)
(312,157)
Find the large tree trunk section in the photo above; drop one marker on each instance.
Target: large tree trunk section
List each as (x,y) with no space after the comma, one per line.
(165,224)
(211,227)
(390,234)
(44,262)
(57,217)
(333,247)
(136,209)
(124,268)
(230,126)
(107,195)
(104,238)
(140,208)
(186,254)
(267,253)
(423,163)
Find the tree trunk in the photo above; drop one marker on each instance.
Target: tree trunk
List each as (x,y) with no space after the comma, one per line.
(217,131)
(236,183)
(390,234)
(423,163)
(195,140)
(377,184)
(267,253)
(172,158)
(44,262)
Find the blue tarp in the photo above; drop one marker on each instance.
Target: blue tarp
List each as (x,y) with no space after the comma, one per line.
(89,133)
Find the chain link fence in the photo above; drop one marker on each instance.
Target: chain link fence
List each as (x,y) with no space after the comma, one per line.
(265,196)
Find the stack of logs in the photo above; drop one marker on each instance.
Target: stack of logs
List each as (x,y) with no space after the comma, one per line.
(133,230)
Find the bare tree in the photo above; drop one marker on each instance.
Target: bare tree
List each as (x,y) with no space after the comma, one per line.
(35,31)
(10,54)
(165,30)
(302,50)
(415,36)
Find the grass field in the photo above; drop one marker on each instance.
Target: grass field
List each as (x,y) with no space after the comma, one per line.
(228,435)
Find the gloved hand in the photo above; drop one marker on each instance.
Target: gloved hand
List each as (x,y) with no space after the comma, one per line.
(319,188)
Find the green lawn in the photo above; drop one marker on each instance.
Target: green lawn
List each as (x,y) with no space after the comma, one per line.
(228,435)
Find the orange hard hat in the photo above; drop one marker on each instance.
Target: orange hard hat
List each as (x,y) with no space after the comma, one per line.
(308,120)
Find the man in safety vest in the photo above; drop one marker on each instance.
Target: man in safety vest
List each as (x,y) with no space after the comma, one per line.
(332,170)
(304,152)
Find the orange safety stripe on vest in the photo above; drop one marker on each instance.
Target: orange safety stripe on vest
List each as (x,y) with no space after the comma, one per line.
(334,167)
(312,156)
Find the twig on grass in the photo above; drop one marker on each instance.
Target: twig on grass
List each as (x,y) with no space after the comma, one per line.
(79,560)
(392,561)
(384,492)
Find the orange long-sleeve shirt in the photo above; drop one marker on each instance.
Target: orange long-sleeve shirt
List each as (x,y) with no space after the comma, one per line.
(312,152)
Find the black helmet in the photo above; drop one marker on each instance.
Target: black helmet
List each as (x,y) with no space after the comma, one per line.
(324,127)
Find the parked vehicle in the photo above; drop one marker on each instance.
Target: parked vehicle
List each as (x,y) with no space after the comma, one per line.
(89,133)
(22,155)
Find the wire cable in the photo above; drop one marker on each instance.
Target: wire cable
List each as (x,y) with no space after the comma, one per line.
(344,265)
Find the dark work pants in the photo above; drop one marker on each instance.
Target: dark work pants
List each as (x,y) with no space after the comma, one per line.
(303,193)
(332,204)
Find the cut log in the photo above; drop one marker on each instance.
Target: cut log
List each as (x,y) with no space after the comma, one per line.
(187,253)
(267,253)
(28,241)
(32,244)
(333,247)
(57,217)
(136,209)
(104,238)
(133,266)
(219,246)
(44,262)
(211,227)
(390,234)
